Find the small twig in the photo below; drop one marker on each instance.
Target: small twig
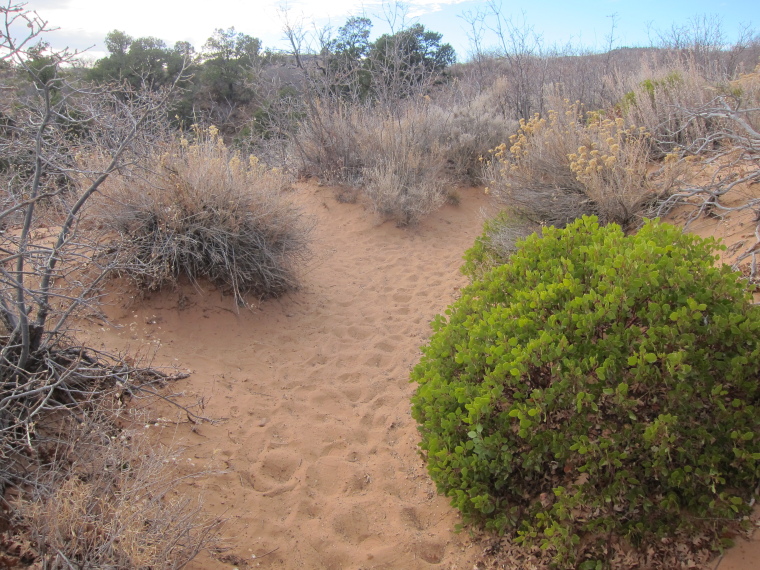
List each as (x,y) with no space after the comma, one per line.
(268,553)
(177,405)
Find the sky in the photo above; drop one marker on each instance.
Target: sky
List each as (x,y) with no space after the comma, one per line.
(83,24)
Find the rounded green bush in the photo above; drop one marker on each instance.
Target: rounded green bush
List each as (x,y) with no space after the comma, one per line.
(596,386)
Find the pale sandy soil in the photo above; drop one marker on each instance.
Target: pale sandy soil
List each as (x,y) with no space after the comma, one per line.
(316,451)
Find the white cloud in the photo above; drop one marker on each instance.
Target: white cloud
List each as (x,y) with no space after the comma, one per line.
(84,23)
(195,20)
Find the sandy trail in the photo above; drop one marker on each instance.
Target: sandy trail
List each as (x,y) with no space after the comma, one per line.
(318,449)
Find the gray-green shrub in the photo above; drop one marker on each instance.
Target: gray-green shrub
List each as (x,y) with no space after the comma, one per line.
(204,212)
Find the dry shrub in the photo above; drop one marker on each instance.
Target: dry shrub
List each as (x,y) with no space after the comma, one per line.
(327,141)
(109,499)
(472,129)
(405,177)
(723,184)
(740,110)
(663,101)
(205,212)
(405,159)
(404,190)
(415,158)
(614,169)
(564,165)
(533,174)
(380,152)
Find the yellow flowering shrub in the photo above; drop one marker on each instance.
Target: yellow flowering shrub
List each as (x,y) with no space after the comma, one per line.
(568,163)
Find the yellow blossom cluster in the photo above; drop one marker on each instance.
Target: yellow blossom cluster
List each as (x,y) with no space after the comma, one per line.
(538,130)
(610,147)
(571,151)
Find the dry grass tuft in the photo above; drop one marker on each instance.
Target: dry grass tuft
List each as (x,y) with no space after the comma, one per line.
(206,213)
(108,499)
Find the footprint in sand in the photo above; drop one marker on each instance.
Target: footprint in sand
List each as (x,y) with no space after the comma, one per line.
(332,476)
(402,297)
(411,518)
(273,468)
(385,346)
(431,551)
(354,524)
(361,332)
(352,392)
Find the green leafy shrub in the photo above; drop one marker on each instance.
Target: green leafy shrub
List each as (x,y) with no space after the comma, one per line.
(596,386)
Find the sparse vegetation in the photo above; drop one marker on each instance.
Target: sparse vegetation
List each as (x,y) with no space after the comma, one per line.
(109,498)
(589,393)
(663,104)
(202,211)
(597,392)
(60,401)
(404,161)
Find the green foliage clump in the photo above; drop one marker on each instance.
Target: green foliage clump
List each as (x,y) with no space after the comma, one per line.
(598,385)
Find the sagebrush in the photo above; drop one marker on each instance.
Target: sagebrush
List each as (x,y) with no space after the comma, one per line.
(204,212)
(404,161)
(567,164)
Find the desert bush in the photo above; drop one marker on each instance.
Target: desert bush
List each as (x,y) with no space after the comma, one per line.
(380,153)
(326,141)
(414,158)
(405,177)
(405,189)
(472,128)
(703,44)
(48,272)
(565,165)
(205,212)
(108,498)
(50,385)
(598,389)
(378,149)
(726,175)
(532,174)
(663,102)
